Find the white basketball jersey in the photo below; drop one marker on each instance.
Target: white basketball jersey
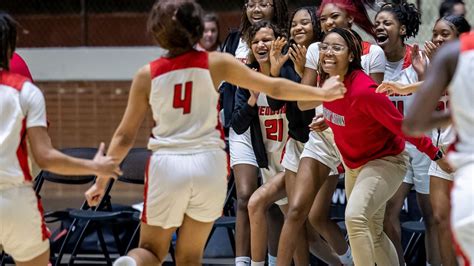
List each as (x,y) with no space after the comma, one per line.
(14,169)
(273,124)
(404,73)
(184,105)
(461,92)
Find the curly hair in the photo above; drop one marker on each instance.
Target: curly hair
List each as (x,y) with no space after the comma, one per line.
(176,23)
(277,32)
(407,14)
(8,31)
(317,33)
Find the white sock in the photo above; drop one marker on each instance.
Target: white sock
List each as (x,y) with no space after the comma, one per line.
(272,261)
(242,261)
(346,258)
(125,261)
(257,263)
(428,264)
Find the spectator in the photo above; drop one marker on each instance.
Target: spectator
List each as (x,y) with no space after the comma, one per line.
(210,37)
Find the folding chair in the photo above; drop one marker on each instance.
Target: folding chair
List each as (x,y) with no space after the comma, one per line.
(133,168)
(417,230)
(55,216)
(227,221)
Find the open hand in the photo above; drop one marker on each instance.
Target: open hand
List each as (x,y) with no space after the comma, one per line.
(298,56)
(277,59)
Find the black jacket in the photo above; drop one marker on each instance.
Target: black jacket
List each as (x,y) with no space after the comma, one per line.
(298,120)
(227,90)
(245,116)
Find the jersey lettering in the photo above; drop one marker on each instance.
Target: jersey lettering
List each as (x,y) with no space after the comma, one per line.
(183,102)
(400,106)
(274,129)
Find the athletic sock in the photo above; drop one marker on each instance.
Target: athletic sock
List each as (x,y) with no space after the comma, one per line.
(125,261)
(242,261)
(272,261)
(257,263)
(346,258)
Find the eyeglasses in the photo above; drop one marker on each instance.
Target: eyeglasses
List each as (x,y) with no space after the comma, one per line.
(261,6)
(335,48)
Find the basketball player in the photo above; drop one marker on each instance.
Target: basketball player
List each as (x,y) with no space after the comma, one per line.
(23,233)
(185,183)
(452,68)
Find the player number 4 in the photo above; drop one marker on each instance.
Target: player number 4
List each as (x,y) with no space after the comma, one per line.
(183,100)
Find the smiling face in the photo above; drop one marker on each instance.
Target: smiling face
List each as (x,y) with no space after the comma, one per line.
(334,55)
(302,28)
(258,10)
(261,44)
(388,30)
(334,17)
(442,32)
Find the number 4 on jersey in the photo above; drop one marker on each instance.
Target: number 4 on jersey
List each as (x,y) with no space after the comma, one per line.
(183,101)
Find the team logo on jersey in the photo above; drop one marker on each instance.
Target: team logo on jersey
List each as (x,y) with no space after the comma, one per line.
(334,118)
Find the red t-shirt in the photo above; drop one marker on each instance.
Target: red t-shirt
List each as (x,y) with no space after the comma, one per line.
(18,66)
(366,125)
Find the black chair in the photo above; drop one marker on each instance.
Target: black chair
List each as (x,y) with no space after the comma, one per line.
(133,168)
(61,215)
(227,220)
(417,230)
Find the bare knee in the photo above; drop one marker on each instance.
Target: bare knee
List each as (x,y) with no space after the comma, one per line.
(256,204)
(297,213)
(189,259)
(320,223)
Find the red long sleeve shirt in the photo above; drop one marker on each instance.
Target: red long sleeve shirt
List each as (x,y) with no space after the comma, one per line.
(366,125)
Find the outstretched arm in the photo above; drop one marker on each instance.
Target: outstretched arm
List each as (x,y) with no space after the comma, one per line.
(226,67)
(422,116)
(125,135)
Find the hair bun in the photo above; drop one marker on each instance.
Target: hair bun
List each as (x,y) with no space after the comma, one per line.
(190,17)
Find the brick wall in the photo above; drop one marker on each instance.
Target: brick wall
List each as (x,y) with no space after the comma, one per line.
(82,114)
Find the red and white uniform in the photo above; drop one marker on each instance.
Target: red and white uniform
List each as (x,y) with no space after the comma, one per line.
(274,127)
(461,92)
(404,73)
(187,171)
(321,145)
(443,138)
(23,233)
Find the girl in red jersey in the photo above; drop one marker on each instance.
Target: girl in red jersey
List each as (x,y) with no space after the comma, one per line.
(319,158)
(23,233)
(375,163)
(185,183)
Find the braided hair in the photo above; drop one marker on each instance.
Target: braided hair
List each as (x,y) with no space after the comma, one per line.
(407,14)
(176,24)
(7,39)
(459,24)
